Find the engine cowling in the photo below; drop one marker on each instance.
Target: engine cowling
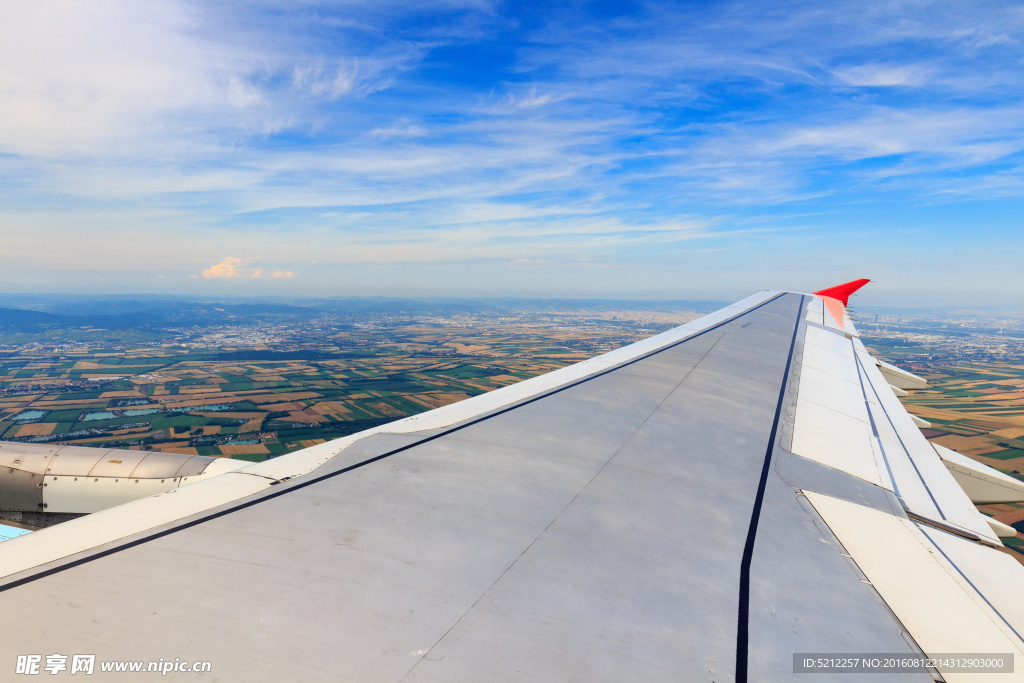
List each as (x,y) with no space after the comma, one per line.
(45,483)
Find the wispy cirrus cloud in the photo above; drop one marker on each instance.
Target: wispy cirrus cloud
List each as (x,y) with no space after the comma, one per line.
(883,75)
(369,132)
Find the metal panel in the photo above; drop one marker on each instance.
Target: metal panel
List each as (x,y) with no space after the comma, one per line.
(942,615)
(907,482)
(924,482)
(117,463)
(27,457)
(805,594)
(194,466)
(834,439)
(831,341)
(20,490)
(996,577)
(218,466)
(161,465)
(981,483)
(834,393)
(816,311)
(92,494)
(76,461)
(900,378)
(84,534)
(838,365)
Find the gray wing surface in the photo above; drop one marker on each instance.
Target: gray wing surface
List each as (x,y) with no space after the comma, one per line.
(645,516)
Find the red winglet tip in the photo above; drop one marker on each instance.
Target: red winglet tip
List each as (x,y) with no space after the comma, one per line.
(843,292)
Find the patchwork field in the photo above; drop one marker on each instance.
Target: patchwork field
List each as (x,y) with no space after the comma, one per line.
(257,401)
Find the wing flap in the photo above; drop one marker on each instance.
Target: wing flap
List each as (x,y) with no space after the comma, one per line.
(932,600)
(835,439)
(983,484)
(920,478)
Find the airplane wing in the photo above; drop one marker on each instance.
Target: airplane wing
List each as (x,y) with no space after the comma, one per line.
(737,499)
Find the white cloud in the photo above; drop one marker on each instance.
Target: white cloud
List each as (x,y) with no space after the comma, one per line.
(882,75)
(319,80)
(283,274)
(402,129)
(79,78)
(592,137)
(232,268)
(531,99)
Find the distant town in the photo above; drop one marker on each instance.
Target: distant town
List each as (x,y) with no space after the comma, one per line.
(935,337)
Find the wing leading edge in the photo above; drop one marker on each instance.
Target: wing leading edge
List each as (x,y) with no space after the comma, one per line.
(699,506)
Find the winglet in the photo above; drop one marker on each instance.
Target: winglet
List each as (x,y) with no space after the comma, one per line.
(843,292)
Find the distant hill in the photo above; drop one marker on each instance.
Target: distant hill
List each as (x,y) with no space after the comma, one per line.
(35,313)
(16,319)
(21,320)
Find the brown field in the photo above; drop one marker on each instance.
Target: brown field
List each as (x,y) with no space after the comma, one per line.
(331,407)
(244,449)
(130,430)
(309,416)
(286,407)
(386,409)
(173,447)
(276,398)
(190,402)
(36,429)
(237,416)
(963,444)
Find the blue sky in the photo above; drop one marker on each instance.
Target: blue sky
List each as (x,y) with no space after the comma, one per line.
(657,150)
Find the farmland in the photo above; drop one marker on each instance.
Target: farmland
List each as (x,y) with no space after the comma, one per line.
(257,390)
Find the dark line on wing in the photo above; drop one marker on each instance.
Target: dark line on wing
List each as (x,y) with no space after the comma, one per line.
(295,487)
(743,621)
(900,439)
(941,526)
(874,427)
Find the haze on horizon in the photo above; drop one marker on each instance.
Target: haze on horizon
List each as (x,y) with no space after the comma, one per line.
(633,150)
